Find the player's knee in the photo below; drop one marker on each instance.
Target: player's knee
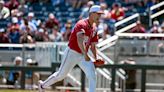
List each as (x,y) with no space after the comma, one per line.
(60,77)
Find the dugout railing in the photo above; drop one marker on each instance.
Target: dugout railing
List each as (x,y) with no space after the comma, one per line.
(143,69)
(113,67)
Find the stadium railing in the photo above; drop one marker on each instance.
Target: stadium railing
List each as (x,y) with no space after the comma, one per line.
(126,20)
(140,35)
(113,38)
(142,43)
(152,8)
(114,67)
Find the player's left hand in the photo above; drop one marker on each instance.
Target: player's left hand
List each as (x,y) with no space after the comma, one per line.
(99,62)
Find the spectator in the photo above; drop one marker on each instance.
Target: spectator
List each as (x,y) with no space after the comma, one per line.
(14,75)
(55,36)
(20,18)
(31,19)
(41,28)
(141,7)
(41,36)
(155,28)
(106,11)
(41,25)
(85,9)
(117,13)
(52,23)
(23,8)
(14,32)
(14,24)
(31,77)
(26,38)
(103,30)
(66,30)
(28,26)
(138,28)
(4,11)
(14,12)
(18,61)
(12,4)
(3,36)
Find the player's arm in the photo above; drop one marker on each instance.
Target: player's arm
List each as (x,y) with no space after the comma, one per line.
(94,50)
(80,41)
(94,42)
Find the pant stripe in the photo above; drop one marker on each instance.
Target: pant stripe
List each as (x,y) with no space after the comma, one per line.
(63,62)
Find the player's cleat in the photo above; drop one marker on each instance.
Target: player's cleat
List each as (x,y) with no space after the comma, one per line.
(40,88)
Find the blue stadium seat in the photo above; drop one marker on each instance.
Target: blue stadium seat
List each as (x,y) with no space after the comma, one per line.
(38,14)
(37,7)
(56,9)
(3,25)
(50,9)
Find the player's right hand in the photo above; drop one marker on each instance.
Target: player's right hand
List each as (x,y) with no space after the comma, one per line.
(87,58)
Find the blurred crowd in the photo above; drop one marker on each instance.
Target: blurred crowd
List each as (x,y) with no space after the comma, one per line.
(25,27)
(13,77)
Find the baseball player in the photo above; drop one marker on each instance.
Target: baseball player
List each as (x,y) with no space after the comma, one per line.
(83,37)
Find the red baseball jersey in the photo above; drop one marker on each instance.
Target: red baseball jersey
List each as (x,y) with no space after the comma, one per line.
(82,25)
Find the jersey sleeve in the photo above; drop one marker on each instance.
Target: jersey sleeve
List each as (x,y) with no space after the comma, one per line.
(95,38)
(79,29)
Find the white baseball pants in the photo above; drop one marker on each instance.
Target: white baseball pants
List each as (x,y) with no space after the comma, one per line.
(70,59)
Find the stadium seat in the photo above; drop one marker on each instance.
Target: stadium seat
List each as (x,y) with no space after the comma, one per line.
(35,7)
